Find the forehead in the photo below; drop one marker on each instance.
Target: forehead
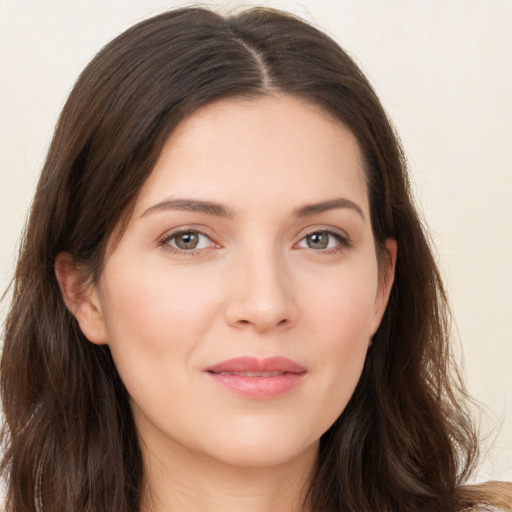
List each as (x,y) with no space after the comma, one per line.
(251,151)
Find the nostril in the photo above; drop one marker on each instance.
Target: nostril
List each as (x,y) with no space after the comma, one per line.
(284,321)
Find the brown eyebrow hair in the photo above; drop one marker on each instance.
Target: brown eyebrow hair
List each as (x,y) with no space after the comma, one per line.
(220,210)
(192,205)
(331,204)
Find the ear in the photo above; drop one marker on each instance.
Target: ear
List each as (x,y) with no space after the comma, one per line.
(386,279)
(81,298)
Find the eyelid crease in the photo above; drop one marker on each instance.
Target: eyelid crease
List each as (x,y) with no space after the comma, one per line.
(340,233)
(344,240)
(187,228)
(163,241)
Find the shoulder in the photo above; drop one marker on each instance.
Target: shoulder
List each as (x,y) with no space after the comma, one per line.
(484,508)
(486,497)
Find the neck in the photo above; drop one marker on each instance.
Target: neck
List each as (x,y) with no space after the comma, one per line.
(179,481)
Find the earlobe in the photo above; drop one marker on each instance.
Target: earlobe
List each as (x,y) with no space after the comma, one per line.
(386,280)
(81,298)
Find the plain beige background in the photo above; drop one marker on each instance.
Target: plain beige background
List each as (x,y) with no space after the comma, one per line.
(443,69)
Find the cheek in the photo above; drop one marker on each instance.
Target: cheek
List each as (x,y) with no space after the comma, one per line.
(342,317)
(343,306)
(155,324)
(342,344)
(150,315)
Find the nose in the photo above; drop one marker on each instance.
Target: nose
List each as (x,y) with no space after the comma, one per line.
(262,295)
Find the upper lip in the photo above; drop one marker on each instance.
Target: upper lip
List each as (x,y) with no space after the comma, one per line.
(254,364)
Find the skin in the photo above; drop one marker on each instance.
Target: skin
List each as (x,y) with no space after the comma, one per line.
(257,284)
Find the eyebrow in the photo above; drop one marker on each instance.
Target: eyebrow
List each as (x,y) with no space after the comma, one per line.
(191,205)
(220,210)
(331,204)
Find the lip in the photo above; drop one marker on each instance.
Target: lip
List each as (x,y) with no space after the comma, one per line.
(257,378)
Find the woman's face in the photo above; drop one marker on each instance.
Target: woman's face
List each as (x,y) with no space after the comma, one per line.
(240,300)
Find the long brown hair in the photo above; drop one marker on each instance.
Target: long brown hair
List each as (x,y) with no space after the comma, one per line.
(404,442)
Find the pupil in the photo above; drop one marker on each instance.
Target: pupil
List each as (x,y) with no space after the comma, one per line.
(187,241)
(318,241)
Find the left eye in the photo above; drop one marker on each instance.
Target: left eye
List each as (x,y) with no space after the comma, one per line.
(321,240)
(189,241)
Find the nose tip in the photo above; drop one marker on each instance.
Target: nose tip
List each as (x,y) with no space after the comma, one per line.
(262,300)
(262,321)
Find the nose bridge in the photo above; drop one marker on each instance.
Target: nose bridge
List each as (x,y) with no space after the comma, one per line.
(262,294)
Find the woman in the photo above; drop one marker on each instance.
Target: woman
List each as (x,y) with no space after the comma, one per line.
(225,299)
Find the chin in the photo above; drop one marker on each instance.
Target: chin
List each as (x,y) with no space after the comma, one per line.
(260,446)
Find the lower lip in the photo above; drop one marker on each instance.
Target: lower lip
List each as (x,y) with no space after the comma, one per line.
(259,387)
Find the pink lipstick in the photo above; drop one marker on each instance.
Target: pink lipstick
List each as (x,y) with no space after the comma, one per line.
(257,378)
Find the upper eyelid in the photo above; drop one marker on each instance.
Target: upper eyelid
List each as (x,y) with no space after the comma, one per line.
(163,242)
(184,229)
(343,239)
(324,229)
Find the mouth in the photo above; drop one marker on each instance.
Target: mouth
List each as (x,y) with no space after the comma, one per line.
(252,374)
(258,378)
(259,367)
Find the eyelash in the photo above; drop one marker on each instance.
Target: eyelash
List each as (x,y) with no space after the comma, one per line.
(343,242)
(164,242)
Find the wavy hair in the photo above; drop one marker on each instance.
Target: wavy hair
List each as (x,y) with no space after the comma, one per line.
(404,442)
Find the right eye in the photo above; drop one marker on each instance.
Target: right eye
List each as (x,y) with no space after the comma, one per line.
(187,241)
